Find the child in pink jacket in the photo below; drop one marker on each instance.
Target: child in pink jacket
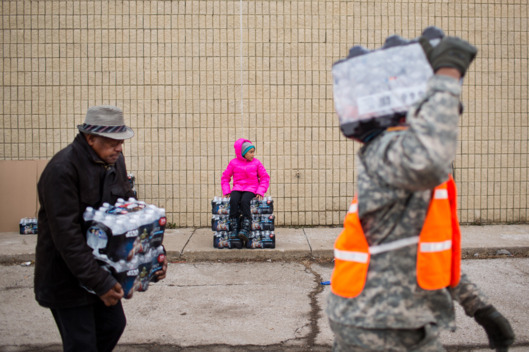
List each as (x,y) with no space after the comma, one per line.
(250,180)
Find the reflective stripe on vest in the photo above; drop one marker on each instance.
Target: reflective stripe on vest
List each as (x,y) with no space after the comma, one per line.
(438,254)
(349,256)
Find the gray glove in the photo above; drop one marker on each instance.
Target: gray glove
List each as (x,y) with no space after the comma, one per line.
(498,329)
(450,52)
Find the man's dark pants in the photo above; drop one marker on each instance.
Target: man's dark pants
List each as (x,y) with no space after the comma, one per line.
(94,327)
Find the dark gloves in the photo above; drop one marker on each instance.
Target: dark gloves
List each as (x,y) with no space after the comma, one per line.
(450,52)
(498,329)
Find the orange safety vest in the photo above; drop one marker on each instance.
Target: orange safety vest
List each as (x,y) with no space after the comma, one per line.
(438,251)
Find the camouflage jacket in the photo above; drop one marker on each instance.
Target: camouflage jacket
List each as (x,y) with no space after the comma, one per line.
(396,174)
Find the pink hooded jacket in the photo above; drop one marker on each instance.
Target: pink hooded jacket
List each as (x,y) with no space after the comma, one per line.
(248,176)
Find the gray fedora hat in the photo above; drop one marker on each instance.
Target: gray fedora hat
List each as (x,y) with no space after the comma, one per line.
(106,121)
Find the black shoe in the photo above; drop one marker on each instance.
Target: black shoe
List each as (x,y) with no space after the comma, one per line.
(244,233)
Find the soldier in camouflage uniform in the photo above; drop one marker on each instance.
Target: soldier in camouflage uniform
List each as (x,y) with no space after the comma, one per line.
(397,171)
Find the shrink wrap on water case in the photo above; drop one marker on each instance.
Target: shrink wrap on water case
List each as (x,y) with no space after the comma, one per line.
(374,89)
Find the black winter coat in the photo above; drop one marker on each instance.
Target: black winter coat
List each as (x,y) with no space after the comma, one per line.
(74,179)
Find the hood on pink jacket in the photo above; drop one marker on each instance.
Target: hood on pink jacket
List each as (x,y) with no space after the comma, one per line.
(238,148)
(248,176)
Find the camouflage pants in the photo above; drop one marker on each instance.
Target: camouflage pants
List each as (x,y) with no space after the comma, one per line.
(353,339)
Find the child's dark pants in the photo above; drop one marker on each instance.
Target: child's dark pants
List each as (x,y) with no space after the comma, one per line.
(240,204)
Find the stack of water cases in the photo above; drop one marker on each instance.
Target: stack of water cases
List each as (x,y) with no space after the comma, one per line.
(262,233)
(127,240)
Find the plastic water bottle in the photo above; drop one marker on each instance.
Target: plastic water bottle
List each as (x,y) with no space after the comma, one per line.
(109,221)
(147,257)
(256,222)
(157,261)
(119,227)
(151,215)
(121,266)
(134,262)
(97,239)
(88,214)
(99,215)
(142,218)
(132,221)
(215,204)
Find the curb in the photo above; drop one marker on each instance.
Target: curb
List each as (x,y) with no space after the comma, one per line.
(260,255)
(324,255)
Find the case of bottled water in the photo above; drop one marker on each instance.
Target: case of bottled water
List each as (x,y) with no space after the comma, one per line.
(28,226)
(220,206)
(263,222)
(373,89)
(127,240)
(262,239)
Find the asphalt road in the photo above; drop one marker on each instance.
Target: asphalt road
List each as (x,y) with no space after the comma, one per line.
(246,306)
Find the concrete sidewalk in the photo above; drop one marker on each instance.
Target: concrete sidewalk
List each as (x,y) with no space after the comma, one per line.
(188,244)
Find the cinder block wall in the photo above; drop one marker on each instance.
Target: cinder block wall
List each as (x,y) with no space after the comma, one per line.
(193,76)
